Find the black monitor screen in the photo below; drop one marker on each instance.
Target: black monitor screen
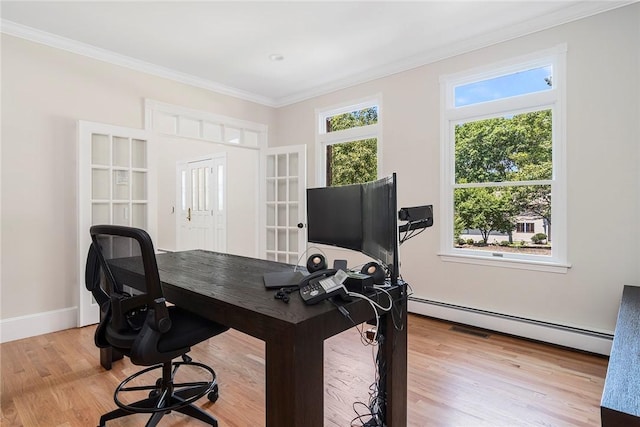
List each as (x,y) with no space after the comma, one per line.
(334,216)
(380,224)
(361,217)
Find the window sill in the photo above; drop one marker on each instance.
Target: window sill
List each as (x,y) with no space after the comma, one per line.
(522,264)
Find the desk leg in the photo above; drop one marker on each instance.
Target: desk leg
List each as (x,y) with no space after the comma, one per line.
(108,355)
(394,350)
(295,382)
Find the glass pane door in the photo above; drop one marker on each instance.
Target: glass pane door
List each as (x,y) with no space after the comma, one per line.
(285,202)
(114,188)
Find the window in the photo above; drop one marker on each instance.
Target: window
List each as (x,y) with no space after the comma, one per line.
(171,119)
(348,143)
(525,227)
(503,164)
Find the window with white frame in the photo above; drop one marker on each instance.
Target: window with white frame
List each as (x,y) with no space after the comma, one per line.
(348,141)
(503,165)
(169,119)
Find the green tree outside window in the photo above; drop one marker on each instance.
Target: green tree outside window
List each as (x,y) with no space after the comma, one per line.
(356,161)
(502,150)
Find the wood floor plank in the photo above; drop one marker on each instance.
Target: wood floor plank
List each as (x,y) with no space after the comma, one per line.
(456,377)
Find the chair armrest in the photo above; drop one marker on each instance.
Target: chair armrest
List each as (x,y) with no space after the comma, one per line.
(160,320)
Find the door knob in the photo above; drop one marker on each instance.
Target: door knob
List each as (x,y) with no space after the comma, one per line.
(300,225)
(189,214)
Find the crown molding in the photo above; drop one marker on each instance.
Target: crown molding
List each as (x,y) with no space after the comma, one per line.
(63,43)
(579,10)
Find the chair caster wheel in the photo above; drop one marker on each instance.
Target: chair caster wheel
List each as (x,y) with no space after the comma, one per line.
(213,394)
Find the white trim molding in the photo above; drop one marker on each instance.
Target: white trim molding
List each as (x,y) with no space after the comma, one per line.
(73,46)
(497,261)
(16,328)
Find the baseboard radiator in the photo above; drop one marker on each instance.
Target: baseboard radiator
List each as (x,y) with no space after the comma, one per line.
(566,336)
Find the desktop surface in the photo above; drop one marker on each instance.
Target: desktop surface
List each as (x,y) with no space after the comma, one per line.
(229,289)
(235,281)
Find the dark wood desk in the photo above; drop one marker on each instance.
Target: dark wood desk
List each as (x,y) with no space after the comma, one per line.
(619,405)
(229,289)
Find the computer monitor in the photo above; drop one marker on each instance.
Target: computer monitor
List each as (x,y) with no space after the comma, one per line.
(361,217)
(334,216)
(380,223)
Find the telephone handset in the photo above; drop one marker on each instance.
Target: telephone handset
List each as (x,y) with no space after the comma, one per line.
(320,273)
(322,285)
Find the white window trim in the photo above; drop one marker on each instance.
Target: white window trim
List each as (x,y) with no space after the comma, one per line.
(154,108)
(324,138)
(554,99)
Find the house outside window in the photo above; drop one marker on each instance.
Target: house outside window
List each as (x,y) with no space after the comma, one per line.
(503,163)
(348,141)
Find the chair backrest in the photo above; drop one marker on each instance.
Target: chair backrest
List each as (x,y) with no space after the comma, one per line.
(136,303)
(127,247)
(93,277)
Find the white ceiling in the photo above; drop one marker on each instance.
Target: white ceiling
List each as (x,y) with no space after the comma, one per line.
(326,45)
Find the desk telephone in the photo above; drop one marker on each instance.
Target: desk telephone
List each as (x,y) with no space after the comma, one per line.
(322,285)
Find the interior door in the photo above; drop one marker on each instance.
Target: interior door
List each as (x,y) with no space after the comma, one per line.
(201,198)
(284,194)
(116,185)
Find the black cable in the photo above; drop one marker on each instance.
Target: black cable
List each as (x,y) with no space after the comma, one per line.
(378,401)
(410,233)
(375,413)
(344,311)
(396,310)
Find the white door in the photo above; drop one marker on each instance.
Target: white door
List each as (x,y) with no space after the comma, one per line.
(284,194)
(116,185)
(201,201)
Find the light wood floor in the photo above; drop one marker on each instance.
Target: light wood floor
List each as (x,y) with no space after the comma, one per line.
(455,379)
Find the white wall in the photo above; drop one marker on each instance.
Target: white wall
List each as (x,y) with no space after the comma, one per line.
(44,92)
(603,158)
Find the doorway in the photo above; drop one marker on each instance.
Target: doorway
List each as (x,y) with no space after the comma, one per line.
(201,205)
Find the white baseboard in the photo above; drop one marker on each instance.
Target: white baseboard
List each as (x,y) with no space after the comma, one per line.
(16,328)
(567,336)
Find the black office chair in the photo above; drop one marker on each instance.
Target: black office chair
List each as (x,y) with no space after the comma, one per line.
(136,321)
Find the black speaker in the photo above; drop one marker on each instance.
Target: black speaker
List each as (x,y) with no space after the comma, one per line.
(316,262)
(374,270)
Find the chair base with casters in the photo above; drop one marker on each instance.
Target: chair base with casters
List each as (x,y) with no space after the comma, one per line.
(166,395)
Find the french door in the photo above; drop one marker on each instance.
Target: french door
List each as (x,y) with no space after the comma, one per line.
(284,196)
(116,182)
